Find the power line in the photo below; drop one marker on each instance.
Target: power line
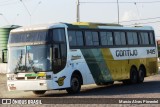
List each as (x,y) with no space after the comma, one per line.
(143,23)
(140,19)
(124,2)
(9,3)
(5,1)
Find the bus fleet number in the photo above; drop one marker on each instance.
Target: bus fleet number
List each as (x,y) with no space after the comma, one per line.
(151,51)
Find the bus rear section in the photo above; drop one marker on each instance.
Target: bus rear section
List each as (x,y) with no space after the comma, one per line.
(115,53)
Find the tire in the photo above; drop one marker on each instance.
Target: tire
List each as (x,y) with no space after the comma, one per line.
(75,85)
(39,92)
(133,75)
(141,75)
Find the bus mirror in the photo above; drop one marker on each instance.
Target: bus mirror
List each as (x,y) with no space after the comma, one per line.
(56,53)
(4,55)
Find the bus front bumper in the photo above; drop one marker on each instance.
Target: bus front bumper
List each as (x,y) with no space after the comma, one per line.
(30,85)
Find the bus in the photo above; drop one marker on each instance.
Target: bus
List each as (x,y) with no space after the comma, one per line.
(65,56)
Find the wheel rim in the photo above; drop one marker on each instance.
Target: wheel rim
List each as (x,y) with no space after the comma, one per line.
(75,84)
(141,75)
(134,76)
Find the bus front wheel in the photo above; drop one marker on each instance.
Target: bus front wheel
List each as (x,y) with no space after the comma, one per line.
(39,92)
(75,85)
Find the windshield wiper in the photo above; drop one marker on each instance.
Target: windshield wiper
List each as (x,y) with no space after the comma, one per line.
(18,66)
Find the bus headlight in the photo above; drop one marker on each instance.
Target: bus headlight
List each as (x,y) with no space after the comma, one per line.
(10,78)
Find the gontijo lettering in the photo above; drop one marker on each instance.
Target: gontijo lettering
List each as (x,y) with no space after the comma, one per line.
(121,53)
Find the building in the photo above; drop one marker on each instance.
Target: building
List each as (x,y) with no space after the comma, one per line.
(4,35)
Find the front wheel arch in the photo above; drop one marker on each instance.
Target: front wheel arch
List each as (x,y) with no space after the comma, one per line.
(75,83)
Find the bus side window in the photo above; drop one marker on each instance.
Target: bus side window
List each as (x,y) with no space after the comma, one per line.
(135,38)
(144,40)
(79,38)
(106,38)
(151,37)
(88,38)
(123,38)
(120,38)
(75,38)
(117,38)
(72,38)
(91,38)
(132,38)
(95,38)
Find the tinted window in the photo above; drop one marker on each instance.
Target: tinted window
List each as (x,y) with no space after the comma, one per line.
(132,38)
(88,38)
(72,38)
(75,38)
(91,38)
(59,35)
(144,38)
(106,38)
(120,38)
(29,36)
(79,37)
(151,38)
(95,38)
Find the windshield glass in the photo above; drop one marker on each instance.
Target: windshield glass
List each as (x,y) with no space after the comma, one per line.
(30,58)
(29,36)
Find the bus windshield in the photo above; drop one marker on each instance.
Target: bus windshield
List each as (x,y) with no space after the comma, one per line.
(33,58)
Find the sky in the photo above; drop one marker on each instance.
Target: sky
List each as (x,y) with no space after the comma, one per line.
(31,12)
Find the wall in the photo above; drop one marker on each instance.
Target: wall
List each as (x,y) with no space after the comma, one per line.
(3,68)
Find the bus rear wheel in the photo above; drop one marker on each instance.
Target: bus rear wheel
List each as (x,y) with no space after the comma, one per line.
(75,85)
(39,92)
(141,75)
(133,75)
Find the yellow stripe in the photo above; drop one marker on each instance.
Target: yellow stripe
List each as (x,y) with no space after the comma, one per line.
(41,74)
(120,69)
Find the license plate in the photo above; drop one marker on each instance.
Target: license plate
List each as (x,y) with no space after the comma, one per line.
(12,88)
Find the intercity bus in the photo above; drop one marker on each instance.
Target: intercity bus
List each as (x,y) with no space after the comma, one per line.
(67,55)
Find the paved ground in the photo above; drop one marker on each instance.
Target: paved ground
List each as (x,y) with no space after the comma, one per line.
(149,89)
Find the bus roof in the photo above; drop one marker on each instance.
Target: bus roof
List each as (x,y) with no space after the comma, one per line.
(106,26)
(39,27)
(78,25)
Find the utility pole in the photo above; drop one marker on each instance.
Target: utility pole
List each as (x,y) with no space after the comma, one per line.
(118,10)
(78,11)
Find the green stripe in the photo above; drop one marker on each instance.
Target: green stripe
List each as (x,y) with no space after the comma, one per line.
(97,65)
(31,75)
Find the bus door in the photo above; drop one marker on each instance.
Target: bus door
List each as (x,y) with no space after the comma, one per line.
(59,50)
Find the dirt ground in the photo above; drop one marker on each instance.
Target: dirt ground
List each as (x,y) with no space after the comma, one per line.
(149,89)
